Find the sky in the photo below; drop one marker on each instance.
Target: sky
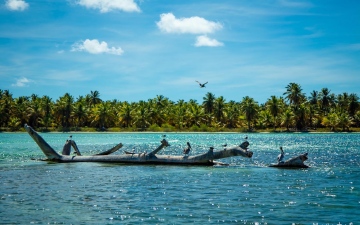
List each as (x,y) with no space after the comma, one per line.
(132,50)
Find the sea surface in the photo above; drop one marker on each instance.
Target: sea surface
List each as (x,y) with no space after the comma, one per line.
(246,191)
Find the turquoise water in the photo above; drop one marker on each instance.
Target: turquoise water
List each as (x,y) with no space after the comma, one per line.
(245,192)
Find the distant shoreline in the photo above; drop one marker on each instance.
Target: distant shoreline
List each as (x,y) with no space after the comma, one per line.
(116,130)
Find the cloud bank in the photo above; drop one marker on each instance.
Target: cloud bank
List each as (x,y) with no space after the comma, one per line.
(96,47)
(16,5)
(110,5)
(193,25)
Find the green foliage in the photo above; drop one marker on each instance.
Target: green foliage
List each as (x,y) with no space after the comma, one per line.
(205,128)
(155,128)
(194,128)
(168,128)
(294,111)
(14,124)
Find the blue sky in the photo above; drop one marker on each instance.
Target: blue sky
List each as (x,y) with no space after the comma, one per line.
(133,50)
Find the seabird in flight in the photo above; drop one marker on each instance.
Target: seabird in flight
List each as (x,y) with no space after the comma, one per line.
(201,85)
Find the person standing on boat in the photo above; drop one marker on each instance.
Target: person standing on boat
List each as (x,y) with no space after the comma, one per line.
(280,157)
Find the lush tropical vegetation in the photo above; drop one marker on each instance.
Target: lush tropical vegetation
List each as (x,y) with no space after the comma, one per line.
(294,111)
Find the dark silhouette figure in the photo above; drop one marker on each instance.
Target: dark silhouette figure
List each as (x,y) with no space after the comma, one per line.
(280,157)
(187,149)
(201,85)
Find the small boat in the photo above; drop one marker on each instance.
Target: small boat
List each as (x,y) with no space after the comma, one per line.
(147,157)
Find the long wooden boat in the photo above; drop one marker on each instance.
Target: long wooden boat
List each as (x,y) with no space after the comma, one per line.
(150,157)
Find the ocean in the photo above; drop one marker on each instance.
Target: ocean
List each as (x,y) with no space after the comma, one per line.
(246,191)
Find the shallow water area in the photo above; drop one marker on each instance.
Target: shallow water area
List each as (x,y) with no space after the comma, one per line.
(245,192)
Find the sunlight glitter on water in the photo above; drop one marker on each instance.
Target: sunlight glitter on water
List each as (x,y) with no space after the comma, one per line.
(246,192)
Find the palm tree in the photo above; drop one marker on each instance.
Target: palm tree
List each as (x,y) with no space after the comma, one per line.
(325,100)
(160,101)
(80,113)
(208,105)
(14,123)
(250,108)
(46,111)
(125,114)
(321,107)
(357,118)
(179,113)
(63,110)
(232,115)
(208,102)
(196,115)
(300,114)
(331,120)
(353,104)
(265,119)
(219,109)
(6,107)
(34,111)
(345,121)
(287,119)
(102,115)
(274,105)
(21,106)
(142,115)
(93,98)
(313,105)
(158,107)
(343,102)
(314,98)
(69,100)
(294,95)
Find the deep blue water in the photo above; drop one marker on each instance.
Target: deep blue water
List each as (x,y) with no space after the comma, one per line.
(245,192)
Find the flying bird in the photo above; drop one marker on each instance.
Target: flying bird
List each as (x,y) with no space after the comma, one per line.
(201,85)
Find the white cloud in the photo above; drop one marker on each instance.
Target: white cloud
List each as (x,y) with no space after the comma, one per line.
(21,82)
(194,25)
(109,5)
(95,47)
(16,5)
(204,40)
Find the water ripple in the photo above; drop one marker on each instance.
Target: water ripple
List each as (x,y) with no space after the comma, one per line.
(245,192)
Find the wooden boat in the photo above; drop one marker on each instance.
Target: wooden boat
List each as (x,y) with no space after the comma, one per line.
(295,162)
(150,157)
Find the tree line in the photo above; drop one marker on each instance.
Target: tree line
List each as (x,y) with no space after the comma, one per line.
(294,111)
